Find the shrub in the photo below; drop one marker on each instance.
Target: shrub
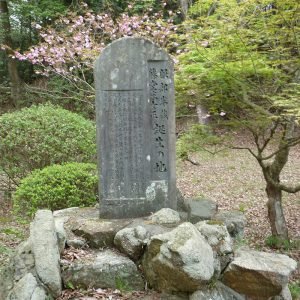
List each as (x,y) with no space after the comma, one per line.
(42,135)
(57,187)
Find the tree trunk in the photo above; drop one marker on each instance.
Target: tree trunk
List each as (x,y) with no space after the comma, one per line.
(16,82)
(275,212)
(185,4)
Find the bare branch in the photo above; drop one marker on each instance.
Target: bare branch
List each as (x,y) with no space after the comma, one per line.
(272,132)
(195,163)
(246,148)
(290,189)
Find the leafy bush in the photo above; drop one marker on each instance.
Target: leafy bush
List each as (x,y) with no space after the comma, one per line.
(42,135)
(57,187)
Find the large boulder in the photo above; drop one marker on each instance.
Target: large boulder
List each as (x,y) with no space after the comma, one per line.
(201,209)
(132,241)
(103,269)
(218,292)
(180,260)
(259,274)
(46,251)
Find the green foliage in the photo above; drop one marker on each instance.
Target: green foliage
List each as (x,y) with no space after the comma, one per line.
(295,290)
(57,187)
(70,285)
(281,243)
(133,7)
(122,285)
(4,250)
(12,231)
(199,137)
(39,136)
(242,56)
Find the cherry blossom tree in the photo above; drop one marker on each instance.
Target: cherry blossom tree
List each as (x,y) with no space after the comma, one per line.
(70,48)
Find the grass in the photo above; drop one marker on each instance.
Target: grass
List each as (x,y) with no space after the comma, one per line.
(12,231)
(4,249)
(295,290)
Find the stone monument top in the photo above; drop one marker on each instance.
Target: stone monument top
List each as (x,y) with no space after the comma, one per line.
(135,115)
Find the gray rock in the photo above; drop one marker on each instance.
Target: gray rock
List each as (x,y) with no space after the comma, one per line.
(69,218)
(219,239)
(20,263)
(165,216)
(98,232)
(66,212)
(105,269)
(76,243)
(6,280)
(284,295)
(45,250)
(61,233)
(219,292)
(259,274)
(234,220)
(39,294)
(132,241)
(24,288)
(201,209)
(152,229)
(23,260)
(217,236)
(180,260)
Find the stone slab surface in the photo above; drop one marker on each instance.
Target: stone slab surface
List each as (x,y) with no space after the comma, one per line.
(103,269)
(135,115)
(259,274)
(201,210)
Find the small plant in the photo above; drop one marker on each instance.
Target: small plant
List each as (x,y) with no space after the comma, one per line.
(4,250)
(70,285)
(12,231)
(240,242)
(242,207)
(295,290)
(278,243)
(122,285)
(57,187)
(213,282)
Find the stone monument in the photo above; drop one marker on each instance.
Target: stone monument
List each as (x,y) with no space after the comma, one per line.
(135,115)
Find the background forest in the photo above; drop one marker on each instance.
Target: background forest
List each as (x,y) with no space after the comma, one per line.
(237,66)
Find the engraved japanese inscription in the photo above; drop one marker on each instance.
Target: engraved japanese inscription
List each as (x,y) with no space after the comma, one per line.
(159,86)
(124,167)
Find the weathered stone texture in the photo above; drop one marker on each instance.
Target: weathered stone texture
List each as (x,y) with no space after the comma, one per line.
(259,274)
(135,114)
(105,269)
(180,260)
(45,250)
(132,241)
(200,210)
(165,216)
